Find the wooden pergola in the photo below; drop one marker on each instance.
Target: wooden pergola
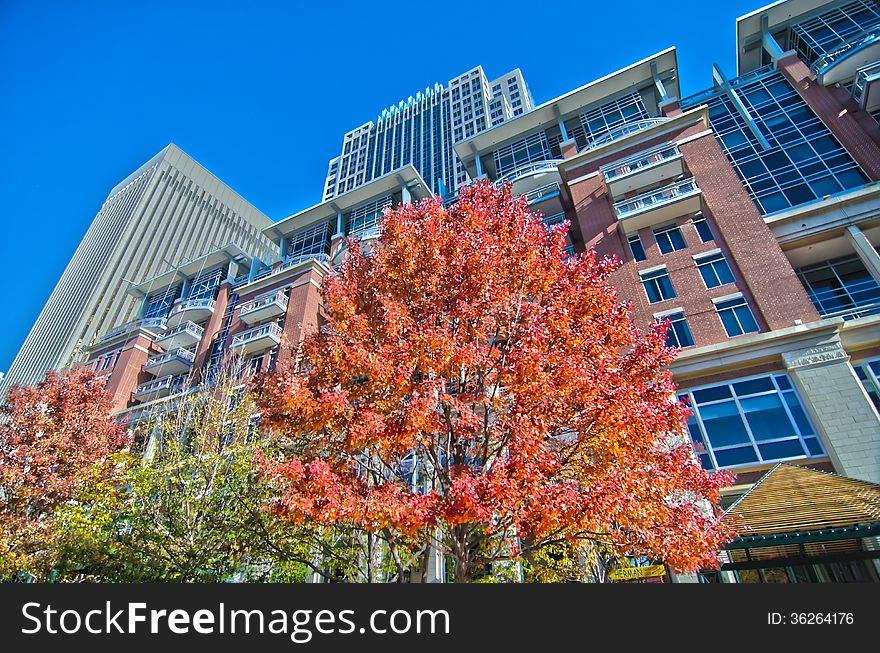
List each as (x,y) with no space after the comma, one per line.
(799,516)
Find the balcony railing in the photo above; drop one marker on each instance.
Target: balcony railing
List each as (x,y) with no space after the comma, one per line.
(253,305)
(830,57)
(641,161)
(184,327)
(160,387)
(864,77)
(553,220)
(178,353)
(850,302)
(293,261)
(656,198)
(191,305)
(152,324)
(624,130)
(542,193)
(271,331)
(528,170)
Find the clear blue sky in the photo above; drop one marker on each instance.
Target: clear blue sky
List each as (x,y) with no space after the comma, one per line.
(262,92)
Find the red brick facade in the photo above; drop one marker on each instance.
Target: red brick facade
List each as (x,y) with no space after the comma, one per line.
(763,274)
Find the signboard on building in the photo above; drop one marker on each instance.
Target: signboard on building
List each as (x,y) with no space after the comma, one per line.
(636,573)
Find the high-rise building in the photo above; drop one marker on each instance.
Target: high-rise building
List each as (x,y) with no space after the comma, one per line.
(168,211)
(423,129)
(747,216)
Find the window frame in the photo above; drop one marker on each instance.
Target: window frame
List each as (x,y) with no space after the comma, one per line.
(778,391)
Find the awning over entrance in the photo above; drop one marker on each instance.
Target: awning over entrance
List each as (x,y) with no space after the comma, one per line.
(796,515)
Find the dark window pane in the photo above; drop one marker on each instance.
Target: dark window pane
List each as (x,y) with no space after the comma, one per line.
(724,425)
(737,456)
(767,417)
(784,449)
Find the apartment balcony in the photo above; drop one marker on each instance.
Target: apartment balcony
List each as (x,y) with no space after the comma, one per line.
(532,177)
(842,63)
(173,362)
(658,205)
(167,385)
(850,301)
(643,170)
(623,131)
(254,340)
(191,310)
(866,88)
(186,335)
(263,308)
(152,325)
(294,261)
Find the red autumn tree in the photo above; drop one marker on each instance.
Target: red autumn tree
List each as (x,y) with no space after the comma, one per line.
(56,437)
(475,385)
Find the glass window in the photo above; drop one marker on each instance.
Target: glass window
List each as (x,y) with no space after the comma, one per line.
(804,162)
(669,239)
(637,247)
(367,216)
(736,316)
(841,287)
(204,286)
(714,270)
(704,231)
(314,240)
(679,334)
(158,304)
(868,374)
(657,285)
(602,119)
(753,421)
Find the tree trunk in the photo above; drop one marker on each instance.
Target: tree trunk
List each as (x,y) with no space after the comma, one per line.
(461,553)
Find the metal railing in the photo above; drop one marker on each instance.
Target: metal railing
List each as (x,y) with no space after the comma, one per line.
(827,59)
(253,334)
(192,327)
(180,353)
(149,324)
(192,304)
(527,170)
(861,81)
(170,383)
(542,193)
(657,197)
(851,301)
(293,261)
(624,130)
(553,220)
(277,297)
(641,161)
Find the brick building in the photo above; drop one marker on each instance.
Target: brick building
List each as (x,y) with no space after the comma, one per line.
(747,215)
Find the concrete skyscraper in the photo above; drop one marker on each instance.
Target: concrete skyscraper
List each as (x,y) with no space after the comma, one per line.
(168,211)
(423,129)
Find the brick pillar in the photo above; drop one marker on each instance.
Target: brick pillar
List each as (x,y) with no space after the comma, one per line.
(301,318)
(128,371)
(848,423)
(848,129)
(568,148)
(212,329)
(670,108)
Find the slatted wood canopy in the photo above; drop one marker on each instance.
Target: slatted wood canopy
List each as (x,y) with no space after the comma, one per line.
(792,504)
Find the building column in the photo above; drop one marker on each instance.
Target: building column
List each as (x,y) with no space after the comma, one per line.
(212,329)
(848,423)
(865,250)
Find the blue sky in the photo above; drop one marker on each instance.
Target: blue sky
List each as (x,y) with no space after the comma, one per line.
(262,92)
